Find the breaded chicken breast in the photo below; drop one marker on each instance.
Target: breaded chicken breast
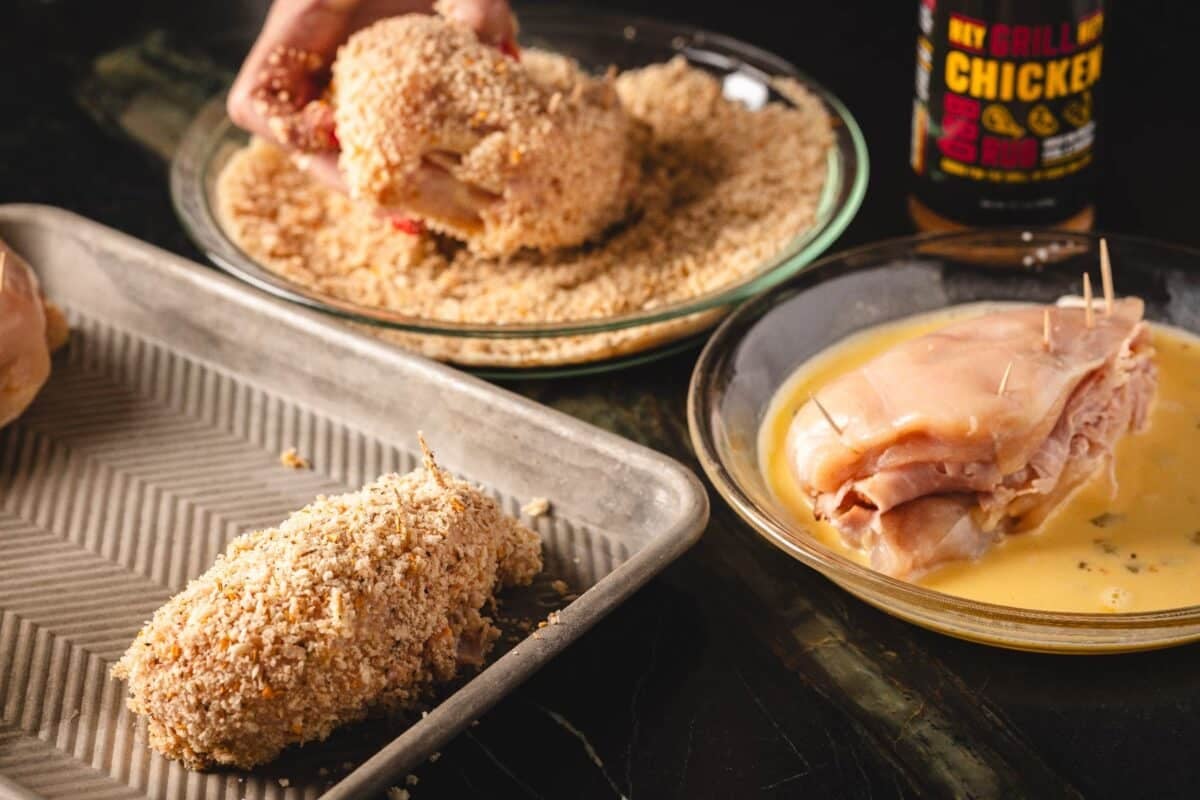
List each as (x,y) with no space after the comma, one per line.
(354,604)
(30,330)
(499,153)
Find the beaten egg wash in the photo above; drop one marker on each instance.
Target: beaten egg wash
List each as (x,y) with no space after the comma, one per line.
(1133,549)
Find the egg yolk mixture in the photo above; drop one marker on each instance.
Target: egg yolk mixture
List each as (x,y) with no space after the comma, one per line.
(1126,548)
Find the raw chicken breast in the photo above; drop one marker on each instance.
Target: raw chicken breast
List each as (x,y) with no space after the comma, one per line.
(934,463)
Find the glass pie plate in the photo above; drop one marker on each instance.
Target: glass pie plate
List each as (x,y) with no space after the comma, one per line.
(596,40)
(761,344)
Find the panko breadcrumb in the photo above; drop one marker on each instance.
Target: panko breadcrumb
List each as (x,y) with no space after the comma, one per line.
(499,153)
(724,189)
(356,603)
(536,507)
(291,459)
(31,328)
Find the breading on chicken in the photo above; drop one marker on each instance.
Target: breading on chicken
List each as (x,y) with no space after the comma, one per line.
(499,153)
(354,604)
(30,330)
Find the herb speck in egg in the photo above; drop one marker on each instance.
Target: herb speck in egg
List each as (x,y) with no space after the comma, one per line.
(1106,519)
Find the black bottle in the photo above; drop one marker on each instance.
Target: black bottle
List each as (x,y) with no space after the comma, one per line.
(1005,112)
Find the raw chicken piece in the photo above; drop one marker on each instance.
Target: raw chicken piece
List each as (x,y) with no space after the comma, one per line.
(30,329)
(499,153)
(934,463)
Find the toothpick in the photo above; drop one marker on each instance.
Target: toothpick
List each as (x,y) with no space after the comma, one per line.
(1046,328)
(1087,300)
(825,413)
(1106,277)
(1004,380)
(3,261)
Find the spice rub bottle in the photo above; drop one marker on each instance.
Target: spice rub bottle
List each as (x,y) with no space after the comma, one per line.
(1004,115)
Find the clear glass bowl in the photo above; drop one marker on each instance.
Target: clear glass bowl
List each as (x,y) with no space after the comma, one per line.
(596,40)
(763,342)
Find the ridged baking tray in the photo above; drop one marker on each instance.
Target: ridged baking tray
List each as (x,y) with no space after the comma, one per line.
(157,439)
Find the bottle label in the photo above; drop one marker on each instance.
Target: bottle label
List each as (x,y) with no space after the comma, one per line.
(1006,102)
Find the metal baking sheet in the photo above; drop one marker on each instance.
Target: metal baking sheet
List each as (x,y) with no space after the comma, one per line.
(157,439)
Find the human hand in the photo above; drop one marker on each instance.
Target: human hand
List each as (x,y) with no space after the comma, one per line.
(278,91)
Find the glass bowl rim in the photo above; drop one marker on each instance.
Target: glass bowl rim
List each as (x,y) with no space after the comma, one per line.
(701,406)
(847,160)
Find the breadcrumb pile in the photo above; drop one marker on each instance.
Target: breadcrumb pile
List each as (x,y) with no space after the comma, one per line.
(356,603)
(501,154)
(723,189)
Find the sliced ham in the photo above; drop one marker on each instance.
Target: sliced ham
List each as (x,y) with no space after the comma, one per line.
(934,464)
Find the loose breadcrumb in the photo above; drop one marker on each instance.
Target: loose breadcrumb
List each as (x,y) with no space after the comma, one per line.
(724,189)
(412,780)
(560,586)
(355,603)
(536,507)
(396,793)
(290,458)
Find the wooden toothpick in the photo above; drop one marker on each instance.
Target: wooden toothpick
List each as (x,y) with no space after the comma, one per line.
(1106,277)
(826,414)
(3,261)
(1087,300)
(1004,380)
(1046,328)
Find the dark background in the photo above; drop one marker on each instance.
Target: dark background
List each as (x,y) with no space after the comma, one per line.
(737,673)
(861,49)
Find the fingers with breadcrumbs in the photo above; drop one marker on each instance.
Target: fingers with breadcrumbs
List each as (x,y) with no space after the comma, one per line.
(354,604)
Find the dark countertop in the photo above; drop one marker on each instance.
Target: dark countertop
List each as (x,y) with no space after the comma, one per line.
(737,673)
